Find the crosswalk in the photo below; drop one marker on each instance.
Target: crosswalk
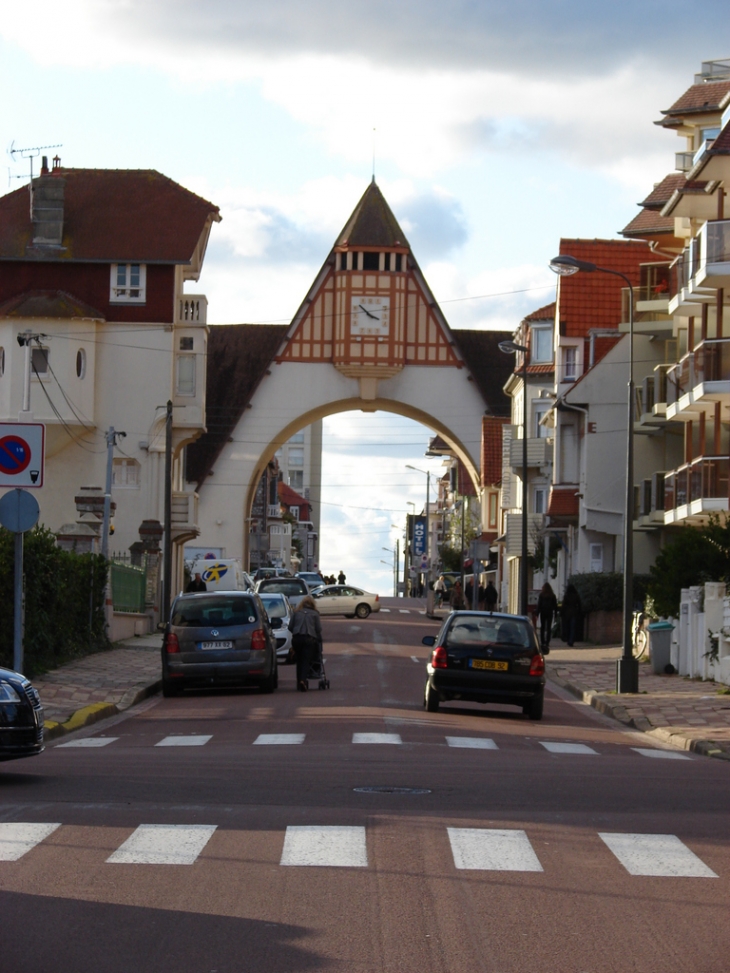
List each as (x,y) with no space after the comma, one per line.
(554,747)
(404,611)
(347,846)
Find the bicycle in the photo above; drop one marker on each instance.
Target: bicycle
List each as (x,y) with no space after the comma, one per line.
(640,635)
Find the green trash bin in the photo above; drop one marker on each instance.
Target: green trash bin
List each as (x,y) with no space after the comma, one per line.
(660,646)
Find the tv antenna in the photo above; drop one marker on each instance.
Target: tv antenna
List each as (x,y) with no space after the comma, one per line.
(29,153)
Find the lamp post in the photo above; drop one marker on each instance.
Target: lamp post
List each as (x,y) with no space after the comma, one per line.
(394,552)
(429,592)
(627,667)
(512,348)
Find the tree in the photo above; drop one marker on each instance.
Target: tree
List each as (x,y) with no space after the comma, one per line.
(693,556)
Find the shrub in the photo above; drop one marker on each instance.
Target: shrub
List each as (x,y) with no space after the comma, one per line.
(693,556)
(64,601)
(604,590)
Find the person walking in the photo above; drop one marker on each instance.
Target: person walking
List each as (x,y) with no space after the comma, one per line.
(547,607)
(570,612)
(306,629)
(197,584)
(490,597)
(439,590)
(457,597)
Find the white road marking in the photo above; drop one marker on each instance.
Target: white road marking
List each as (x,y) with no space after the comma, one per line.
(163,844)
(422,613)
(385,609)
(277,738)
(493,850)
(568,748)
(17,838)
(661,754)
(416,659)
(376,738)
(404,611)
(189,741)
(472,743)
(656,854)
(88,742)
(333,847)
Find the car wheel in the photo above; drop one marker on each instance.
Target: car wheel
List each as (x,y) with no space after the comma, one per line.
(534,708)
(431,699)
(170,688)
(362,611)
(276,676)
(268,685)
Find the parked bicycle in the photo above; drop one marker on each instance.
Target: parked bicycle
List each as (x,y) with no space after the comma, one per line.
(640,635)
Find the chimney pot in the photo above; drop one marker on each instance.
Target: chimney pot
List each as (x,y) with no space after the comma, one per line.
(56,163)
(44,165)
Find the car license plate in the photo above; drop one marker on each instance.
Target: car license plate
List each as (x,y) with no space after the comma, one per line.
(216,645)
(488,664)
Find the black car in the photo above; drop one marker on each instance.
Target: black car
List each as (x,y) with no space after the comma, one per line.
(21,717)
(486,657)
(218,638)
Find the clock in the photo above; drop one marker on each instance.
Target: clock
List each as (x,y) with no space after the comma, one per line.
(370,316)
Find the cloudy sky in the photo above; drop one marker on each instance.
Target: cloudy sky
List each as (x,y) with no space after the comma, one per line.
(496,129)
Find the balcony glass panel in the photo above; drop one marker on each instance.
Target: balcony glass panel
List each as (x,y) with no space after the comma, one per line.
(681,491)
(718,241)
(654,282)
(710,477)
(669,491)
(679,274)
(712,361)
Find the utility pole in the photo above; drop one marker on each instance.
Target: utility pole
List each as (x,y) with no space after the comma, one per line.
(167,551)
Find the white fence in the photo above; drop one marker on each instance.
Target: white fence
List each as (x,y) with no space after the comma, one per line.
(702,646)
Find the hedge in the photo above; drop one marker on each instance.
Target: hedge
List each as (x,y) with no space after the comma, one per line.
(64,602)
(604,590)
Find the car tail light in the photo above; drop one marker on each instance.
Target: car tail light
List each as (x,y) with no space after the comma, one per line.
(438,658)
(258,640)
(171,643)
(537,666)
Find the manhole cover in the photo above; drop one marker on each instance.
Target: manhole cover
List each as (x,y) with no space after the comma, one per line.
(391,790)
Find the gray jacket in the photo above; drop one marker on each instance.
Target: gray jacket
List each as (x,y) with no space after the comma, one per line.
(304,621)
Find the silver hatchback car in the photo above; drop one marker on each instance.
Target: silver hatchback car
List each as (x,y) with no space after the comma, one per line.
(218,638)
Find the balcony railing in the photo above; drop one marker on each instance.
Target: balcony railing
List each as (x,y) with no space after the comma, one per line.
(539,453)
(657,312)
(705,478)
(712,361)
(679,379)
(191,309)
(683,161)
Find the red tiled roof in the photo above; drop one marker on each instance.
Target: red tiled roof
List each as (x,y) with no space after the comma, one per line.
(48,304)
(545,369)
(563,502)
(706,96)
(290,498)
(439,446)
(593,300)
(114,215)
(648,222)
(466,487)
(546,313)
(663,190)
(492,449)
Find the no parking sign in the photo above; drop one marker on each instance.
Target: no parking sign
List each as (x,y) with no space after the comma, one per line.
(22,454)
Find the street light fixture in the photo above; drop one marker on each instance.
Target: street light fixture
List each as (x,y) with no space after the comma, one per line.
(512,348)
(627,667)
(429,592)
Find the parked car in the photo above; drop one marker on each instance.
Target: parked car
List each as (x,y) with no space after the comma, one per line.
(294,588)
(312,579)
(279,611)
(486,657)
(218,638)
(262,573)
(21,717)
(343,599)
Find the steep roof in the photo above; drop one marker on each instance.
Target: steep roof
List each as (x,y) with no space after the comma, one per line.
(372,223)
(489,367)
(113,215)
(707,96)
(238,358)
(290,498)
(563,502)
(48,304)
(648,222)
(545,313)
(663,190)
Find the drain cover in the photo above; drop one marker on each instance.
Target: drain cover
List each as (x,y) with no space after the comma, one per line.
(391,790)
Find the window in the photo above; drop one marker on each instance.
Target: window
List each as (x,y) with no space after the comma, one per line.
(39,361)
(2,362)
(185,384)
(540,503)
(298,437)
(343,261)
(493,500)
(186,344)
(370,261)
(125,473)
(296,480)
(398,262)
(541,346)
(294,511)
(596,557)
(128,283)
(570,364)
(296,456)
(80,363)
(541,410)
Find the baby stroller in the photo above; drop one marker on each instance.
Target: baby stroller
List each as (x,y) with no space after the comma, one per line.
(317,670)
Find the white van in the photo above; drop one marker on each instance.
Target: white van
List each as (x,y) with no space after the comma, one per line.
(221,574)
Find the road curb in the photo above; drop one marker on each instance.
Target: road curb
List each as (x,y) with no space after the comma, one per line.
(617,711)
(99,711)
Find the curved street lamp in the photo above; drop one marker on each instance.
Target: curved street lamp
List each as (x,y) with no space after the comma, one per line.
(512,348)
(627,667)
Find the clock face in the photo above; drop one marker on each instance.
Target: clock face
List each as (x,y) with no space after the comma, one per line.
(370,316)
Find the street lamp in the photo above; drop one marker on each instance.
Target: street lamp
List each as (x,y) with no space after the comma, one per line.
(395,551)
(512,348)
(429,592)
(627,667)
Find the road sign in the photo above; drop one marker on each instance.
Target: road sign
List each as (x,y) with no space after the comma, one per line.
(419,536)
(19,511)
(22,454)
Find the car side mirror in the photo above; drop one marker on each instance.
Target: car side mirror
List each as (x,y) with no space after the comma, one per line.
(428,640)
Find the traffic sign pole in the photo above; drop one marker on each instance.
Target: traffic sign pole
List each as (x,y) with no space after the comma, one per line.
(19,512)
(18,605)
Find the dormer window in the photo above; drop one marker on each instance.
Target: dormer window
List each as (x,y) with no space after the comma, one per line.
(128,284)
(541,349)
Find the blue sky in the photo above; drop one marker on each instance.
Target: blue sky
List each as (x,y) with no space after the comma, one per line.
(498,127)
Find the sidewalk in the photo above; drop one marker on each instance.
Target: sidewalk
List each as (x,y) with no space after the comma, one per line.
(687,713)
(100,685)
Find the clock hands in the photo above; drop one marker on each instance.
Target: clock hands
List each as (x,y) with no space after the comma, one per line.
(373,316)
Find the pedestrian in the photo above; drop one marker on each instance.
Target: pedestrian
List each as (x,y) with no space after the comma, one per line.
(197,584)
(570,613)
(490,597)
(341,577)
(457,597)
(439,590)
(481,591)
(547,607)
(306,629)
(469,593)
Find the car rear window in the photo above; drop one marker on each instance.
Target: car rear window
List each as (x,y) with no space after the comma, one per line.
(284,586)
(492,631)
(199,612)
(275,607)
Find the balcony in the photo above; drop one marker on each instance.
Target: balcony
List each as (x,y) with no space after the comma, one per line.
(683,161)
(191,310)
(649,513)
(713,268)
(651,405)
(513,533)
(699,379)
(686,293)
(697,490)
(273,511)
(184,516)
(539,454)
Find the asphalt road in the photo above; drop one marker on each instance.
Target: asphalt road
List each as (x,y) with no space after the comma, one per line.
(186,840)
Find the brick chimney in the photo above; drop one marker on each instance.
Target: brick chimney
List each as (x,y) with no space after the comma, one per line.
(47,195)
